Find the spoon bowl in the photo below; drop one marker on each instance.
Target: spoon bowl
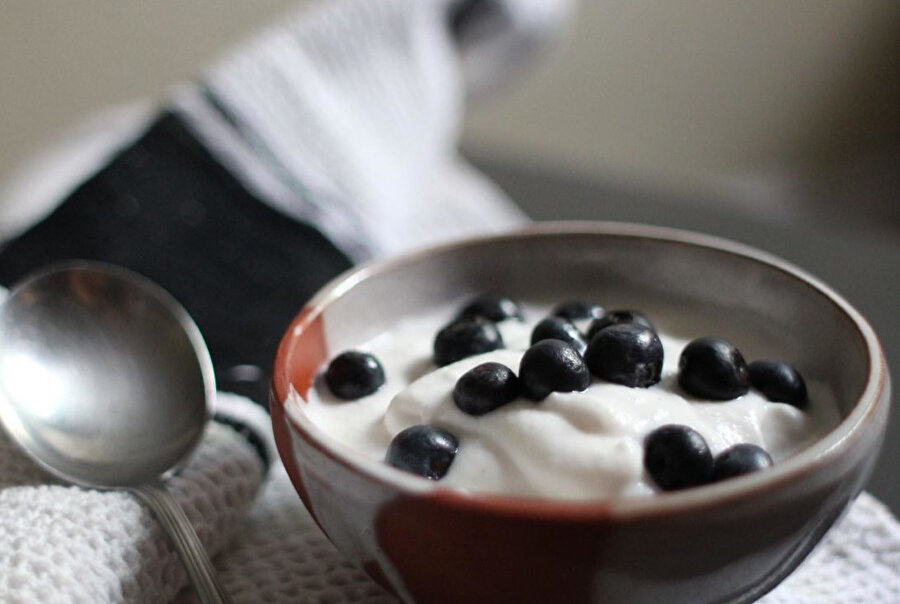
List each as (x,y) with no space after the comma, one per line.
(104,378)
(106,382)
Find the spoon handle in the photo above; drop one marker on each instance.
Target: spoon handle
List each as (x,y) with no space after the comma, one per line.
(185,540)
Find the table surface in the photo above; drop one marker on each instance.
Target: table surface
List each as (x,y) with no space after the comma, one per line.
(860,262)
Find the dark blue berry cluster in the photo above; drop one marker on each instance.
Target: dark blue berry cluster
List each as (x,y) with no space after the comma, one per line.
(624,349)
(474,330)
(619,346)
(677,457)
(713,368)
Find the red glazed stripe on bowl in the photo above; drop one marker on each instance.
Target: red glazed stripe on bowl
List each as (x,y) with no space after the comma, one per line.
(531,540)
(300,353)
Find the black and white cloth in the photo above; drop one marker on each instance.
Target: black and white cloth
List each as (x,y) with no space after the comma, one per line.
(328,139)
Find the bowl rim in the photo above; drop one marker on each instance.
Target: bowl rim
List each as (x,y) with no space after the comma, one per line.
(826,451)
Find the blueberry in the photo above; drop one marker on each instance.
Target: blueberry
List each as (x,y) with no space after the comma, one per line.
(677,457)
(552,366)
(423,450)
(714,369)
(352,375)
(627,354)
(485,388)
(779,382)
(575,310)
(615,317)
(493,307)
(740,459)
(464,338)
(556,328)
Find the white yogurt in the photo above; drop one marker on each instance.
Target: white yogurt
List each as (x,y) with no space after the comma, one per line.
(573,445)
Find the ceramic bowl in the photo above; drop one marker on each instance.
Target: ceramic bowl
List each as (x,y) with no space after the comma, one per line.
(728,542)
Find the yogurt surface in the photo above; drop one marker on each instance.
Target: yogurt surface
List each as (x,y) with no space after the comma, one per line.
(573,445)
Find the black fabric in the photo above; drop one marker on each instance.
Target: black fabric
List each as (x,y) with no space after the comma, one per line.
(165,208)
(249,434)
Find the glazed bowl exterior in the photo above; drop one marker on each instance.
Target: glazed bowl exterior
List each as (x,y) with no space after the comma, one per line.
(728,542)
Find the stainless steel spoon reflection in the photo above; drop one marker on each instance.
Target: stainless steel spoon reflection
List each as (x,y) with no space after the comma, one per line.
(106,382)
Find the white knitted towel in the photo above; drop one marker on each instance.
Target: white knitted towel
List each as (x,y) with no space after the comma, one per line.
(60,543)
(346,117)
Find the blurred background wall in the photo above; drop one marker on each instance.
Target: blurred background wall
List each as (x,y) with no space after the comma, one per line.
(779,105)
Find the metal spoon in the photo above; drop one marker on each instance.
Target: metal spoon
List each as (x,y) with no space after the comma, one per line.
(106,382)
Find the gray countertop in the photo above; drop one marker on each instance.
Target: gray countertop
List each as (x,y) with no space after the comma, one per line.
(861,263)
